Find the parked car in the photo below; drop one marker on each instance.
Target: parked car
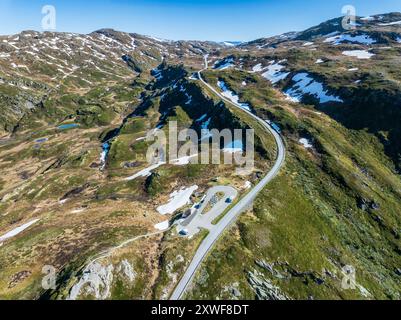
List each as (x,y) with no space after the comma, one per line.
(276,127)
(230,200)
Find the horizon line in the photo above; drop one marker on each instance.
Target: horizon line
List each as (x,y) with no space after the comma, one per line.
(188,40)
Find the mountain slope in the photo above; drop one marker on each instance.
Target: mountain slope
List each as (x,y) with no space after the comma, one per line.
(337,202)
(75,113)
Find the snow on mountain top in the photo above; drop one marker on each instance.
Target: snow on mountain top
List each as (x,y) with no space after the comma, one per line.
(362,39)
(232,43)
(368,18)
(390,23)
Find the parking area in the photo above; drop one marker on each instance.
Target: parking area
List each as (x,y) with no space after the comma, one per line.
(203,214)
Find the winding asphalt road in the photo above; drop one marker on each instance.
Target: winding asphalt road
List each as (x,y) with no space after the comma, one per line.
(207,244)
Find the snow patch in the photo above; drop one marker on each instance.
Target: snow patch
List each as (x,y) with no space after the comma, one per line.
(306,143)
(232,96)
(368,18)
(17,230)
(360,54)
(184,160)
(389,24)
(224,64)
(178,199)
(158,39)
(305,84)
(162,226)
(258,68)
(63,201)
(362,39)
(145,172)
(274,72)
(231,43)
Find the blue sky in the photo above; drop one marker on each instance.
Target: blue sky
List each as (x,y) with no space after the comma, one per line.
(216,20)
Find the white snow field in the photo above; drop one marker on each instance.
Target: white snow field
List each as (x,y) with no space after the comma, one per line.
(361,39)
(360,54)
(274,72)
(368,18)
(306,143)
(305,84)
(145,172)
(178,199)
(258,68)
(184,160)
(389,24)
(228,63)
(162,226)
(232,96)
(17,230)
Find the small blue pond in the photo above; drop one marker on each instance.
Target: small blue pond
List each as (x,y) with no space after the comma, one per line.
(41,140)
(68,126)
(106,147)
(236,144)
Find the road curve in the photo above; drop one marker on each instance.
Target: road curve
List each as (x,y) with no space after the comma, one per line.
(239,208)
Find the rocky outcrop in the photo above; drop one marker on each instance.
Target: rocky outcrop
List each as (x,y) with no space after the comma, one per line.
(263,287)
(97,280)
(125,269)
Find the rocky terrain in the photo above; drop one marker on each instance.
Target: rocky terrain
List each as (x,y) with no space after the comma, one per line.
(77,193)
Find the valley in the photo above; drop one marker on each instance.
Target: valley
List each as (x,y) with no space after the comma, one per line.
(78,193)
